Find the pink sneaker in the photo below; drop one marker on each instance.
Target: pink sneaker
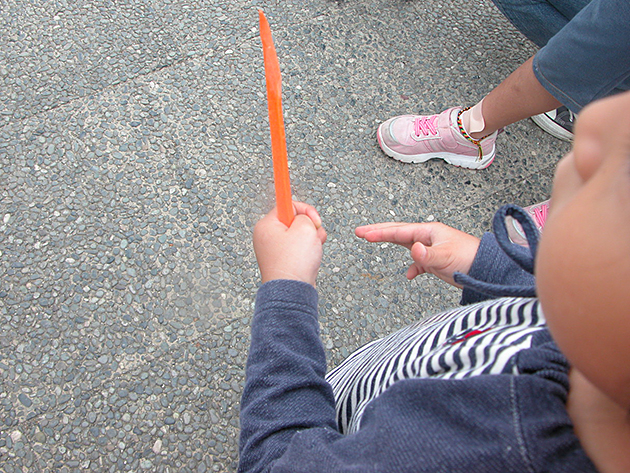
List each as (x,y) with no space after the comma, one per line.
(537,212)
(418,138)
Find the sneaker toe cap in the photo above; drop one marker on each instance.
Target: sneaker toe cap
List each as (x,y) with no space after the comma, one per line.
(397,131)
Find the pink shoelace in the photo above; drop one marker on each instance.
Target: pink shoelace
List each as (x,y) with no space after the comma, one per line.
(425,125)
(540,214)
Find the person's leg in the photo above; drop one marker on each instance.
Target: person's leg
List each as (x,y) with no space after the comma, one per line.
(467,138)
(518,97)
(586,60)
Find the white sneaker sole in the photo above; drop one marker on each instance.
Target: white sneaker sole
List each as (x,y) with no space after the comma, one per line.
(551,127)
(451,158)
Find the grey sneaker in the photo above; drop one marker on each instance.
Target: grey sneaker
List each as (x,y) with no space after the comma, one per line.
(558,123)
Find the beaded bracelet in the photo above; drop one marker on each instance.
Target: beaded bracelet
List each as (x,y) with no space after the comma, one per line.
(468,137)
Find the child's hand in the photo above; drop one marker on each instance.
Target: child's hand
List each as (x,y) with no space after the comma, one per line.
(435,248)
(293,252)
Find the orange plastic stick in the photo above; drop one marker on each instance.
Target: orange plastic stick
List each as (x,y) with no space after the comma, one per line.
(276,124)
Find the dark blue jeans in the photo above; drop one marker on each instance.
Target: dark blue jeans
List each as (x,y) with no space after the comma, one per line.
(585,45)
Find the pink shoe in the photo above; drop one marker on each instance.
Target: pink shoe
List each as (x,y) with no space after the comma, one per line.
(537,212)
(418,138)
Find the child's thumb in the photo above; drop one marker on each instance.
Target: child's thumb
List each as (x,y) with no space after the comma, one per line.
(303,222)
(426,257)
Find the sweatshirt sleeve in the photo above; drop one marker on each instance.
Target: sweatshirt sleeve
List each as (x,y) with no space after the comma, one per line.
(492,265)
(285,390)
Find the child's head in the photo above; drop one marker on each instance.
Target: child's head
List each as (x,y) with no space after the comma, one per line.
(583,262)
